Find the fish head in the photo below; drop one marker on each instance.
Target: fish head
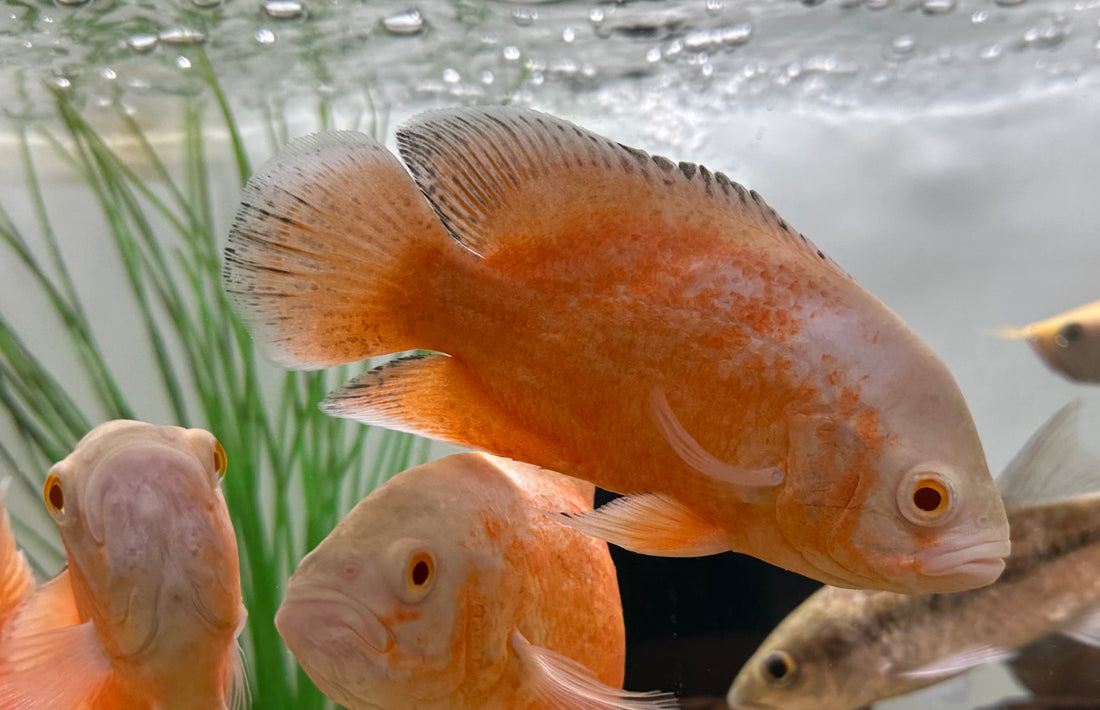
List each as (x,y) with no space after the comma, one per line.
(895,498)
(815,659)
(151,550)
(408,596)
(1068,343)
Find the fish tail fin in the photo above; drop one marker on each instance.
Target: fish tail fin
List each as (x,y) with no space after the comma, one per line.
(16,577)
(561,682)
(316,256)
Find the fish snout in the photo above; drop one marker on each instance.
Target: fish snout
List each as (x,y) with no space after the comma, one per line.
(968,565)
(333,626)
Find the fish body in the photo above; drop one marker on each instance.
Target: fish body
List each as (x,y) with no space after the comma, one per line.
(843,649)
(650,327)
(147,612)
(450,588)
(1068,342)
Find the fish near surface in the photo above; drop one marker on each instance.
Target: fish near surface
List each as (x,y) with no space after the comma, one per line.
(653,328)
(147,612)
(1069,342)
(450,588)
(842,648)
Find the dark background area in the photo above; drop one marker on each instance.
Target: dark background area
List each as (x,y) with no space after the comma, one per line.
(691,623)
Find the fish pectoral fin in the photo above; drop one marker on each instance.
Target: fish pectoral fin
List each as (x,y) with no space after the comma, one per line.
(1085,628)
(59,668)
(651,524)
(436,396)
(564,684)
(964,660)
(1052,466)
(240,697)
(693,454)
(16,577)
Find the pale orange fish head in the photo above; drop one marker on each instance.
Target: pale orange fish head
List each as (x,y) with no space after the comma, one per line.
(891,490)
(1068,342)
(150,547)
(408,600)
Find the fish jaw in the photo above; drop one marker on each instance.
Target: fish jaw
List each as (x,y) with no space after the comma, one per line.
(340,644)
(972,563)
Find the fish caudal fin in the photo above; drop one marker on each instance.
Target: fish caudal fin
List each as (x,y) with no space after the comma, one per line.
(16,577)
(651,524)
(314,253)
(434,396)
(58,669)
(563,684)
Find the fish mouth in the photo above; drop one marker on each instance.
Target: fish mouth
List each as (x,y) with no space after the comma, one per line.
(977,561)
(332,624)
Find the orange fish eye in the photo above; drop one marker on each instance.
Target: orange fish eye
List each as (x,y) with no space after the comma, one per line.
(926,498)
(221,460)
(54,495)
(420,575)
(779,668)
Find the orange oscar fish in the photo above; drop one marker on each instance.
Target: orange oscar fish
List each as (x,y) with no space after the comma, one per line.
(650,327)
(147,613)
(450,588)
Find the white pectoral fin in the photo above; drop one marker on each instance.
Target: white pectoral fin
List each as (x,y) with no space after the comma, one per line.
(964,660)
(564,684)
(59,668)
(693,454)
(651,524)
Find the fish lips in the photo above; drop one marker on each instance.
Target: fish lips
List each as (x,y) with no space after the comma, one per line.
(967,566)
(324,629)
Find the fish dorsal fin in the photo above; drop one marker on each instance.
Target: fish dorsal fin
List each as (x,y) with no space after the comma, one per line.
(16,577)
(1052,465)
(499,174)
(563,684)
(58,668)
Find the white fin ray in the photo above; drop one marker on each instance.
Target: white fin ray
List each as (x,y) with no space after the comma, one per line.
(31,666)
(693,454)
(651,524)
(1086,628)
(240,696)
(1052,465)
(564,684)
(964,660)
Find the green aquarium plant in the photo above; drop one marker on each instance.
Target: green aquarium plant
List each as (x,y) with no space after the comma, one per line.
(293,472)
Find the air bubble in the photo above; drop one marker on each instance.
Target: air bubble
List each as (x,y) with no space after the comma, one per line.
(142,43)
(653,54)
(510,53)
(206,4)
(284,9)
(410,22)
(903,44)
(991,52)
(1009,3)
(451,76)
(183,62)
(60,82)
(265,36)
(1047,36)
(714,6)
(181,35)
(568,34)
(108,73)
(724,36)
(980,17)
(524,16)
(937,7)
(596,15)
(876,4)
(70,3)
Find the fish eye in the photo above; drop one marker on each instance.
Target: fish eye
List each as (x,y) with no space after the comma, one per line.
(779,668)
(1069,333)
(420,573)
(54,496)
(221,460)
(926,498)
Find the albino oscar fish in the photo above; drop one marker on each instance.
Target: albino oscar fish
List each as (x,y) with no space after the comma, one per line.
(147,613)
(1068,342)
(450,588)
(842,648)
(650,327)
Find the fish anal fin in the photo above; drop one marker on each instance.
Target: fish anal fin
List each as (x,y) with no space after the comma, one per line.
(1085,628)
(16,577)
(436,396)
(315,253)
(964,660)
(651,524)
(564,684)
(58,668)
(501,175)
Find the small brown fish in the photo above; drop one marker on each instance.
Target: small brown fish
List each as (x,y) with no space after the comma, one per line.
(1068,343)
(147,612)
(450,588)
(842,649)
(653,328)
